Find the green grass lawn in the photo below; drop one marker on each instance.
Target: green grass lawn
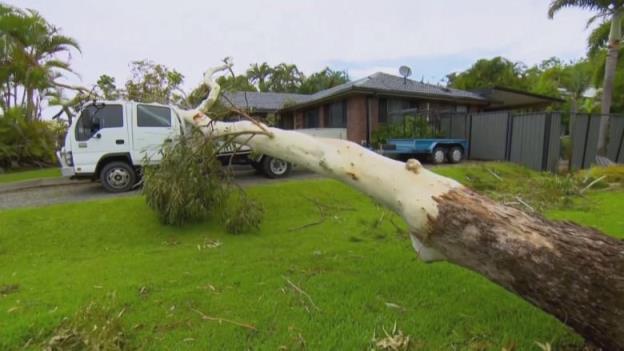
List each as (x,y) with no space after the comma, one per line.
(19,176)
(108,269)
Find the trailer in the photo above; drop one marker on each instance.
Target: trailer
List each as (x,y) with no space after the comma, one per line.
(437,150)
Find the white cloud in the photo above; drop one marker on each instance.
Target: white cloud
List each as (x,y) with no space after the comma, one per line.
(192,35)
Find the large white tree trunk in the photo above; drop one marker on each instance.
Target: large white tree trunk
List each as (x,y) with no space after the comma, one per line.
(574,273)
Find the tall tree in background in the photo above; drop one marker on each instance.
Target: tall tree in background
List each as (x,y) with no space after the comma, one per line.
(285,78)
(325,79)
(498,71)
(152,82)
(613,12)
(258,74)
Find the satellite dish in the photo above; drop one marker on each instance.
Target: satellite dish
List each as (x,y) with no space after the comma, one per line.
(405,71)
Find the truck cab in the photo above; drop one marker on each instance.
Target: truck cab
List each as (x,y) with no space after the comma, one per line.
(111,141)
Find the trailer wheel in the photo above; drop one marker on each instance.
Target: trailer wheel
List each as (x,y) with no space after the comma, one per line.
(438,155)
(455,154)
(118,177)
(275,167)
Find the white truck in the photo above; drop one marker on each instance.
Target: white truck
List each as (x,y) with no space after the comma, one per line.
(110,141)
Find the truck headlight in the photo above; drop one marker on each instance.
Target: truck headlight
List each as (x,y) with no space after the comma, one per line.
(68,158)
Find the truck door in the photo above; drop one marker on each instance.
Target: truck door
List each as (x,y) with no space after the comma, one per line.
(100,129)
(152,126)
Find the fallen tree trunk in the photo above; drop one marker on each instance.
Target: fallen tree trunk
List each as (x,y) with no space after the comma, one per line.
(571,272)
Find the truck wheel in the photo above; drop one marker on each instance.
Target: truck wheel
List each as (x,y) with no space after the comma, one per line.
(118,177)
(274,167)
(438,155)
(455,154)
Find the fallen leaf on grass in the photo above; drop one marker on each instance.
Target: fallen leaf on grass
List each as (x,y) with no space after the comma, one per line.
(393,341)
(209,244)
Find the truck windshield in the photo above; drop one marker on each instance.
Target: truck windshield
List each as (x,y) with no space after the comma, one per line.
(94,118)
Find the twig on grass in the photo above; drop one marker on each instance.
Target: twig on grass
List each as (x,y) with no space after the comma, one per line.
(525,204)
(323,210)
(592,184)
(307,225)
(302,292)
(494,174)
(222,320)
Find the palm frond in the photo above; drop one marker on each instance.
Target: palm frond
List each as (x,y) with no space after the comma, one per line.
(598,38)
(593,5)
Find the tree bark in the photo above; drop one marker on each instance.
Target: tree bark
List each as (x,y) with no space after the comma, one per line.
(571,272)
(613,49)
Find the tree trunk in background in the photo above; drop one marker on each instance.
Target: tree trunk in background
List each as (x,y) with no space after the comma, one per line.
(615,36)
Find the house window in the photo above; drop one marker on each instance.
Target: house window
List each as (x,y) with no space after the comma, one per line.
(337,115)
(383,110)
(287,121)
(93,118)
(153,116)
(311,119)
(461,108)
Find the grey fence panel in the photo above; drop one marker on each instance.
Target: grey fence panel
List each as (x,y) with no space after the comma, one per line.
(578,141)
(527,140)
(488,135)
(584,141)
(592,141)
(554,147)
(615,148)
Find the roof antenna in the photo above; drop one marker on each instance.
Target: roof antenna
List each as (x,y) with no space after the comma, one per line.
(405,72)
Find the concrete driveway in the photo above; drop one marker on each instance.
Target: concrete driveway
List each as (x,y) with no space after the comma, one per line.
(83,191)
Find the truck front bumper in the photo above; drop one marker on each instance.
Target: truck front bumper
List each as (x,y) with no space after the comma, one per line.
(66,170)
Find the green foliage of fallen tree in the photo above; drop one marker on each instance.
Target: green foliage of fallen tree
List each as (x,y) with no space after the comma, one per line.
(190,184)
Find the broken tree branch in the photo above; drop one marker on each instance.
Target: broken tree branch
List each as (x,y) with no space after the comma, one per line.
(571,272)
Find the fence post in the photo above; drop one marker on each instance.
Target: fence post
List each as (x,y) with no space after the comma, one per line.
(508,138)
(589,117)
(546,145)
(620,146)
(469,117)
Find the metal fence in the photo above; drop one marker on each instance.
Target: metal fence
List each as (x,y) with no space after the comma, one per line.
(530,139)
(584,138)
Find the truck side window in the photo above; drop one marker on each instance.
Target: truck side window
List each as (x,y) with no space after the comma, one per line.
(153,116)
(96,117)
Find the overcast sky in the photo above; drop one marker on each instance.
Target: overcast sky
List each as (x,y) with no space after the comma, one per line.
(362,37)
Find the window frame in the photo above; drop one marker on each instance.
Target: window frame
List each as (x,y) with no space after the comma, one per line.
(139,111)
(79,134)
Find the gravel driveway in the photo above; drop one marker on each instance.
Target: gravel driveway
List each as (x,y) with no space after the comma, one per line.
(81,191)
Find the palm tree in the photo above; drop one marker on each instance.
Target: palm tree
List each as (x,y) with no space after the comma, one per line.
(29,65)
(285,78)
(613,12)
(259,74)
(576,79)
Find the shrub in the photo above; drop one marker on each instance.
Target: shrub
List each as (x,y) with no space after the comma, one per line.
(410,127)
(27,143)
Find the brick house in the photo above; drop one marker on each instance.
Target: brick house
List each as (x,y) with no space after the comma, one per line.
(355,109)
